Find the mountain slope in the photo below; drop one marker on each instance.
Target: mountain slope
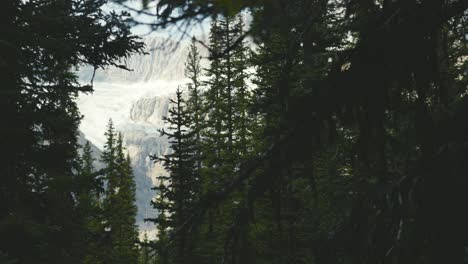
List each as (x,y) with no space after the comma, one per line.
(136,101)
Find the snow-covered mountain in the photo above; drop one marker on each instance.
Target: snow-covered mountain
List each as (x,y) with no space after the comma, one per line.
(136,101)
(164,61)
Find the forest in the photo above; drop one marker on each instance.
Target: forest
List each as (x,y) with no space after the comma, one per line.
(319,132)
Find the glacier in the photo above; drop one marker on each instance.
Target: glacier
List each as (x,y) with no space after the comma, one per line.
(136,101)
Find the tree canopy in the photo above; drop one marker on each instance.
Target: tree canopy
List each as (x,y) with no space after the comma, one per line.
(361,138)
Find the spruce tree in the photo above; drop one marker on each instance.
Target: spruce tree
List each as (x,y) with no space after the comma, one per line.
(213,139)
(42,43)
(227,133)
(145,251)
(119,202)
(88,190)
(363,106)
(227,98)
(177,192)
(163,226)
(181,184)
(193,71)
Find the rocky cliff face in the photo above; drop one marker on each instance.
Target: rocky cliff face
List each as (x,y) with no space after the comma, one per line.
(150,110)
(136,101)
(141,141)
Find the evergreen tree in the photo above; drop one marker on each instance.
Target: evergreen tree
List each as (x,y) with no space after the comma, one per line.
(352,148)
(226,133)
(213,138)
(119,202)
(181,185)
(88,190)
(145,251)
(365,140)
(193,71)
(227,99)
(42,44)
(163,225)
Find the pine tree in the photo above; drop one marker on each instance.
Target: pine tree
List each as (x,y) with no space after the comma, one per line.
(178,191)
(227,98)
(193,71)
(363,107)
(181,184)
(227,132)
(119,201)
(89,181)
(89,189)
(163,226)
(42,43)
(108,158)
(212,133)
(145,251)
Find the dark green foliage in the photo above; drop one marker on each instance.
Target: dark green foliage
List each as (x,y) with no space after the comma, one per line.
(176,193)
(145,251)
(349,147)
(209,139)
(359,145)
(193,71)
(226,139)
(119,209)
(41,45)
(89,188)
